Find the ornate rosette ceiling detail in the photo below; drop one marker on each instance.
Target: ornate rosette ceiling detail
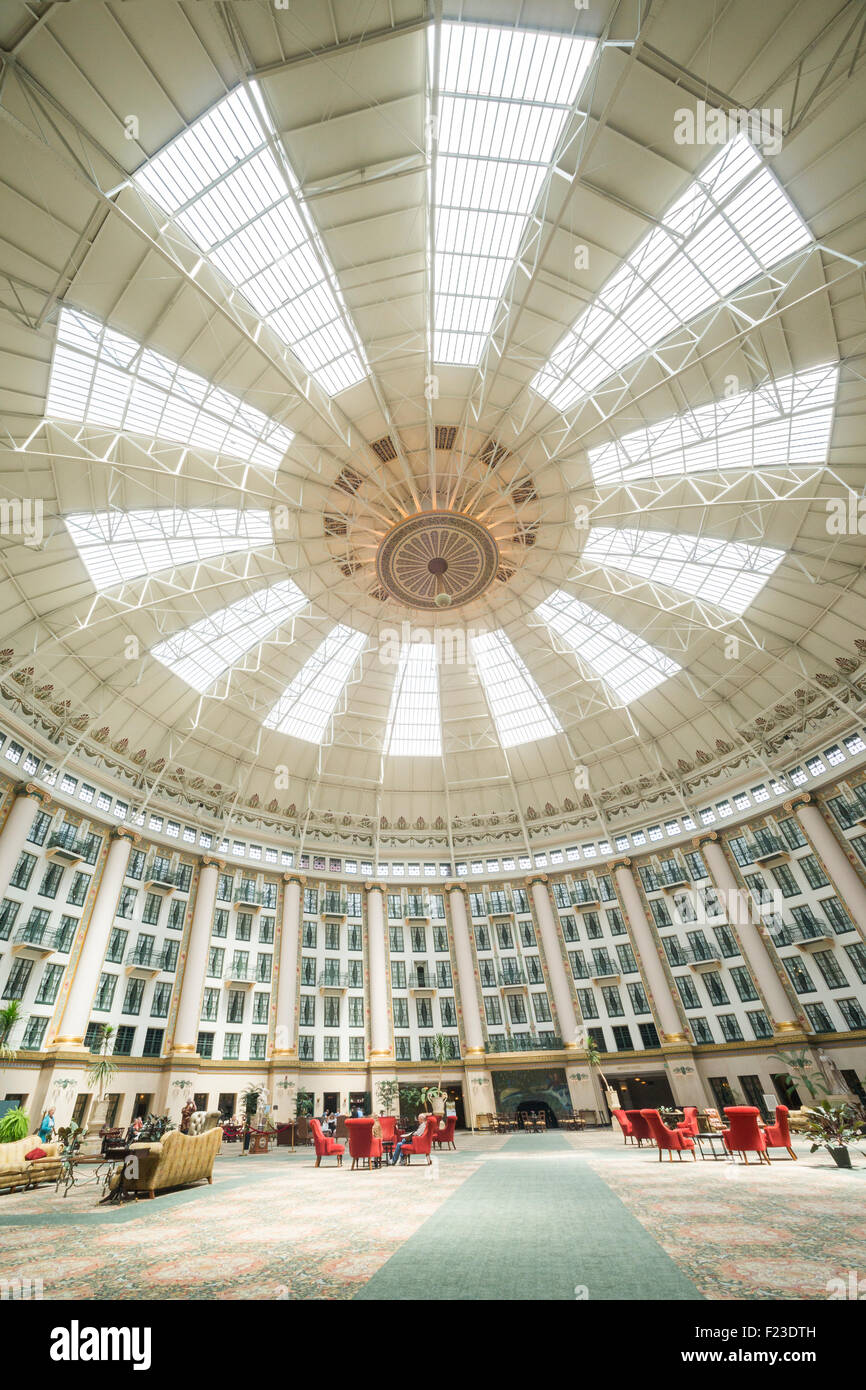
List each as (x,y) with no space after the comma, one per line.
(437,560)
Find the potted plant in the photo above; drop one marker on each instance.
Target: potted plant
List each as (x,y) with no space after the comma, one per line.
(833,1127)
(14,1125)
(801,1074)
(389,1094)
(102,1071)
(434,1096)
(593,1057)
(9,1016)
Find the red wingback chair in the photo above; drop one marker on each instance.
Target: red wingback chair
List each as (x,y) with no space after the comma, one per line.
(743,1136)
(639,1127)
(689,1125)
(362,1144)
(778,1136)
(422,1143)
(389,1127)
(326,1147)
(671,1139)
(446,1135)
(625,1125)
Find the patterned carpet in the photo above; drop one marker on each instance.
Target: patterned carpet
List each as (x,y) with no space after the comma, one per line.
(276,1227)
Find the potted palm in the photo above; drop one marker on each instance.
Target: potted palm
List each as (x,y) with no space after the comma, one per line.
(101,1073)
(389,1094)
(434,1096)
(9,1016)
(593,1057)
(833,1127)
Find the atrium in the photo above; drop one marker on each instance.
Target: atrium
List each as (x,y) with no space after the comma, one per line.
(432,649)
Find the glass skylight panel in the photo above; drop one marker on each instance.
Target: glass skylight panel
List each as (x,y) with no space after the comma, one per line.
(730,225)
(117,546)
(787,421)
(224,184)
(630,666)
(201,653)
(102,377)
(307,704)
(519,709)
(413,719)
(729,574)
(504,97)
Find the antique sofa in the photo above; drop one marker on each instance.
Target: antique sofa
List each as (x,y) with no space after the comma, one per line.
(15,1171)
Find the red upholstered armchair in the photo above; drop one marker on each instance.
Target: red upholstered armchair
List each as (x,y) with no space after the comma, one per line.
(671,1139)
(362,1145)
(326,1147)
(625,1125)
(639,1127)
(689,1125)
(744,1136)
(446,1135)
(778,1136)
(422,1143)
(389,1127)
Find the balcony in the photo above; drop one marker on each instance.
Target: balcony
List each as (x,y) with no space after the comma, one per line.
(144,962)
(495,909)
(66,846)
(333,981)
(609,977)
(702,960)
(35,942)
(769,849)
(585,895)
(511,979)
(160,877)
(422,981)
(526,1042)
(334,906)
(240,977)
(812,937)
(417,910)
(671,878)
(250,898)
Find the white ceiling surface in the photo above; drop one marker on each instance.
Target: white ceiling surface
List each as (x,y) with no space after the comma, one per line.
(345,86)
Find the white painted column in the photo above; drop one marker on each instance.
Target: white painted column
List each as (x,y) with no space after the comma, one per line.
(285,1044)
(841,871)
(754,946)
(189,1005)
(381,1047)
(28,799)
(569,1028)
(76,1012)
(662,999)
(470,996)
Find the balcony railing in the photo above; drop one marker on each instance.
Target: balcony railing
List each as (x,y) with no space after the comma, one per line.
(697,957)
(333,979)
(422,979)
(583,894)
(334,905)
(417,907)
(672,878)
(160,874)
(147,958)
(516,976)
(239,975)
(68,844)
(44,937)
(811,933)
(247,895)
(769,847)
(526,1042)
(500,908)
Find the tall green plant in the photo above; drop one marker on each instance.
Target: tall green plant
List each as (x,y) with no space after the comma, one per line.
(798,1074)
(388,1093)
(103,1069)
(14,1125)
(9,1016)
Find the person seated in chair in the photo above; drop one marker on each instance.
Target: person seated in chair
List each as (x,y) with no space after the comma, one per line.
(416,1134)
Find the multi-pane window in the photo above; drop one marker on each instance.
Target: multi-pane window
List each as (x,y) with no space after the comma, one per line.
(78,889)
(401,1012)
(701,1031)
(440,938)
(424,1013)
(852,1012)
(49,984)
(204,1045)
(648,1035)
(34,1032)
(759,1023)
(622,1039)
(39,829)
(133,996)
(516,1008)
(792,834)
(836,915)
(715,988)
(258,1044)
(331,1050)
(402,1051)
(786,881)
(244,927)
(332,1011)
(232,1046)
(638,999)
(540,1007)
(266,931)
(398,974)
(176,913)
(51,881)
(731,1030)
(308,1010)
(813,871)
(612,1001)
(396,938)
(482,939)
(856,953)
(210,1005)
(579,967)
(492,1009)
(443,974)
(261,1002)
(419,939)
(308,936)
(798,975)
(688,993)
(9,910)
(161,1000)
(116,945)
(448,1011)
(308,970)
(743,984)
(105,992)
(395,905)
(215,960)
(627,962)
(23,871)
(152,905)
(123,1040)
(819,1017)
(831,972)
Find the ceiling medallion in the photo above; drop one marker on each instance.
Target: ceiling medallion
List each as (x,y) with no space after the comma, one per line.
(437,560)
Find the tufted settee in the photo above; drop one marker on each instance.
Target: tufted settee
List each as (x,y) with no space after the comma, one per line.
(15,1171)
(177,1160)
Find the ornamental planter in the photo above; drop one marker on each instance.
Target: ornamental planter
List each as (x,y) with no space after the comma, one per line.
(841,1157)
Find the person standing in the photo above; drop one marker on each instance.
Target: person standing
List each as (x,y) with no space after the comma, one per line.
(46,1129)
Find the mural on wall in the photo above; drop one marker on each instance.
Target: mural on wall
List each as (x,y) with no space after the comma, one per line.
(547,1084)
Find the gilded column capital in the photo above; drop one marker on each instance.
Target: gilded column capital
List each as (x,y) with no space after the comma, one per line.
(299,879)
(623,863)
(373,886)
(456,887)
(31,789)
(535,878)
(123,832)
(800,799)
(705,837)
(209,861)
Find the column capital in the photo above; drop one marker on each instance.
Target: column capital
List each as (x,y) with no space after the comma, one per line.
(372,885)
(456,887)
(299,879)
(31,789)
(623,863)
(535,878)
(123,832)
(800,799)
(705,837)
(210,861)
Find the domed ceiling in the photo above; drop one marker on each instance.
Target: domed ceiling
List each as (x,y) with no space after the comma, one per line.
(437,414)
